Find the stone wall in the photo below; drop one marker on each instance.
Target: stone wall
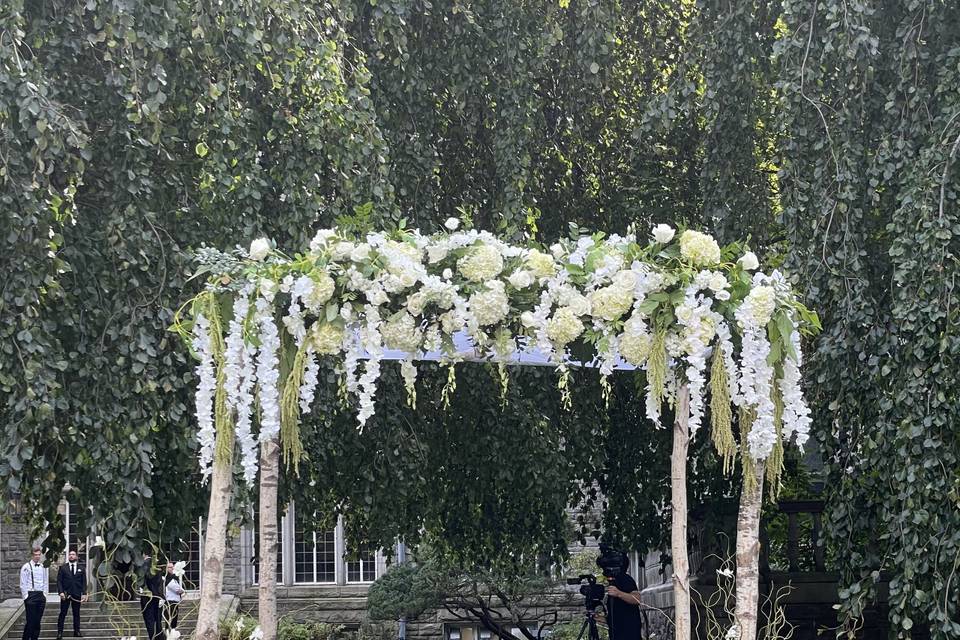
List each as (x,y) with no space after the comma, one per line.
(15,546)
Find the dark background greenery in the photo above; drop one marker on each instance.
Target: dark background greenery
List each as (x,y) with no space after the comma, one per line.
(133,132)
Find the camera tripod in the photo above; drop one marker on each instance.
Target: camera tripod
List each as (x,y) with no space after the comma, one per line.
(589,625)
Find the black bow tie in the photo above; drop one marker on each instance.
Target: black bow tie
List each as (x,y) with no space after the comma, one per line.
(36,564)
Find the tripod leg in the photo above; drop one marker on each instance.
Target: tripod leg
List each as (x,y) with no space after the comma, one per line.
(583,627)
(594,631)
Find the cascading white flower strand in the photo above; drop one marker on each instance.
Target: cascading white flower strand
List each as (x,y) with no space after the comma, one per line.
(206,390)
(240,381)
(796,413)
(756,374)
(268,367)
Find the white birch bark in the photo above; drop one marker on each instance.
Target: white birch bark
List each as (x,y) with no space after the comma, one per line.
(215,548)
(748,556)
(678,537)
(267,592)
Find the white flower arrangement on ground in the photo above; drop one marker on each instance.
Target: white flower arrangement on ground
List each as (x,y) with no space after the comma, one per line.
(676,306)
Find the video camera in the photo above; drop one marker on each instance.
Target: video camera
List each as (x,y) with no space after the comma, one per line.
(592,592)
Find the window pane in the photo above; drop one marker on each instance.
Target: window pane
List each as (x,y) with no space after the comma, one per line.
(185,548)
(303,551)
(326,556)
(363,568)
(314,552)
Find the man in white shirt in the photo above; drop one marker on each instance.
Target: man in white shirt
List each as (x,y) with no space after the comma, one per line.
(173,594)
(34,581)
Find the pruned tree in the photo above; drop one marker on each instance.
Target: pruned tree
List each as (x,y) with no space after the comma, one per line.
(514,601)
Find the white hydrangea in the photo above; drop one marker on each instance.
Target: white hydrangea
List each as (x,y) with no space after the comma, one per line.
(610,303)
(759,304)
(321,291)
(635,341)
(326,338)
(564,327)
(491,305)
(520,279)
(481,263)
(541,265)
(663,233)
(401,332)
(699,249)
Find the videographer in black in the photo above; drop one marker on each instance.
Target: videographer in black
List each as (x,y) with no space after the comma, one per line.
(623,596)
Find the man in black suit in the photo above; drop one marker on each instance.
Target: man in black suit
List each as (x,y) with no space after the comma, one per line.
(72,587)
(151,595)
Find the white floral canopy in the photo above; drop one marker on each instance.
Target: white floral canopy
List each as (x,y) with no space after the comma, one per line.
(666,305)
(698,321)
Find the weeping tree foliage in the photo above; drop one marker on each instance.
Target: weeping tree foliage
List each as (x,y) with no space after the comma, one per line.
(134,133)
(870,114)
(131,133)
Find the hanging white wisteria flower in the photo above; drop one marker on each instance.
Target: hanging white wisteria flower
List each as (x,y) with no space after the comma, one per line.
(268,369)
(240,381)
(669,303)
(206,372)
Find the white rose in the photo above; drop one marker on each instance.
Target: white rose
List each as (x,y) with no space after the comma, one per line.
(663,233)
(625,279)
(557,250)
(259,249)
(360,253)
(722,295)
(717,282)
(436,253)
(320,240)
(342,250)
(520,279)
(447,274)
(268,288)
(579,304)
(527,319)
(452,224)
(749,261)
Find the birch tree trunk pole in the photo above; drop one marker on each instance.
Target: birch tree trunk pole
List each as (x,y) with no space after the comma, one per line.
(748,554)
(267,592)
(215,538)
(678,502)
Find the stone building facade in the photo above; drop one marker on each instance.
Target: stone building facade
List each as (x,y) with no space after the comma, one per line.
(318,578)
